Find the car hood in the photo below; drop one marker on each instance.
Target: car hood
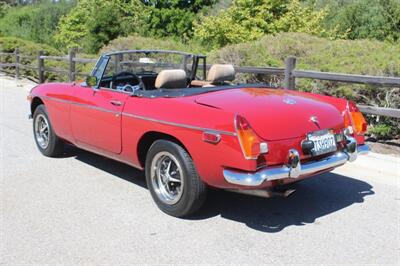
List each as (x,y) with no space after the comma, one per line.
(276,114)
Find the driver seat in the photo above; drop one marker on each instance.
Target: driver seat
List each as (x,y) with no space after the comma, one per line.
(171,79)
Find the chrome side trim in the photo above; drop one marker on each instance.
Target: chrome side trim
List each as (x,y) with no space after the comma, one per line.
(180,125)
(144,118)
(80,104)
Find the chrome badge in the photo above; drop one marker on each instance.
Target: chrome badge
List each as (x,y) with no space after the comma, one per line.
(289,101)
(314,119)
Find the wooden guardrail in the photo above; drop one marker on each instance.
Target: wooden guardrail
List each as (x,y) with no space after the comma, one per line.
(290,74)
(41,68)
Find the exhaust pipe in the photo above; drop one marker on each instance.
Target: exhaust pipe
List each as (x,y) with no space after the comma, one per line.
(264,193)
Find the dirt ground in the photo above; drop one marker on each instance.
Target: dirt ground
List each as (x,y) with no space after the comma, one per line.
(391,147)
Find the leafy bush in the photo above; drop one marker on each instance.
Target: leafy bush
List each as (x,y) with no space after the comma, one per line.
(357,57)
(3,8)
(381,131)
(248,20)
(361,19)
(36,22)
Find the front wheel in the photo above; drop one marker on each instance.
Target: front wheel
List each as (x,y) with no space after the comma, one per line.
(46,140)
(173,180)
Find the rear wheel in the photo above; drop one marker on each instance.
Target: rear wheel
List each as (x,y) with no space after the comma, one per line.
(173,180)
(46,140)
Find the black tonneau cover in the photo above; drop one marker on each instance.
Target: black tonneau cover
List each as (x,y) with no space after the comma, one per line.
(174,93)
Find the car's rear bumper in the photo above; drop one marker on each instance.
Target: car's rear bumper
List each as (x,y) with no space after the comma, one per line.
(255,179)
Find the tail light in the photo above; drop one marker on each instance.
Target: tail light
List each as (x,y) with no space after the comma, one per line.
(354,120)
(249,141)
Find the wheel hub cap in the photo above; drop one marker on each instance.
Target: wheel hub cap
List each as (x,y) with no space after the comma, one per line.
(42,131)
(166,178)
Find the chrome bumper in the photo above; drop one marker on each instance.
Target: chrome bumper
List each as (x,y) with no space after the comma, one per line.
(253,179)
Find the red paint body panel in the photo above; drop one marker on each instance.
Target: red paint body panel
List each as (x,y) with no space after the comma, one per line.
(273,118)
(86,118)
(91,124)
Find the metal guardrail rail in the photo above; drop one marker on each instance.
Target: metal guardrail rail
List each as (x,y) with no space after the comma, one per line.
(290,74)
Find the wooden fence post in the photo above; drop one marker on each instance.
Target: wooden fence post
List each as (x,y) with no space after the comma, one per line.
(71,57)
(16,63)
(40,67)
(290,81)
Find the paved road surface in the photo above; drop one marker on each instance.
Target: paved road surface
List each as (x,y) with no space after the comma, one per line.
(86,209)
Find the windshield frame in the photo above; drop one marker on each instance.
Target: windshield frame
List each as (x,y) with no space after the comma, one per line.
(196,58)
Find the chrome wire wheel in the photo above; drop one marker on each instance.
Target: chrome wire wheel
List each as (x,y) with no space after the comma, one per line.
(167,177)
(42,131)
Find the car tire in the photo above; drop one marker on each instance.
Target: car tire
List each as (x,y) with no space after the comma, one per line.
(166,163)
(46,140)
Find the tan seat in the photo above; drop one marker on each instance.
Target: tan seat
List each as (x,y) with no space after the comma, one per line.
(171,79)
(219,74)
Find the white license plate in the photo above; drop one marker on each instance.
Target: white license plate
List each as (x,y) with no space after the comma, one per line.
(324,142)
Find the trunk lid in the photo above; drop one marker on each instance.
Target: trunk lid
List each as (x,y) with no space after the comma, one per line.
(276,114)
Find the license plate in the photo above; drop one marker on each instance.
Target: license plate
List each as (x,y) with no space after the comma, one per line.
(324,142)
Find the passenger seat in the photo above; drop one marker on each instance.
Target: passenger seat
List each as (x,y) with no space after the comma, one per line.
(219,74)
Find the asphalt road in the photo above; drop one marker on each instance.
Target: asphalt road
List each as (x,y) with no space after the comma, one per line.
(85,209)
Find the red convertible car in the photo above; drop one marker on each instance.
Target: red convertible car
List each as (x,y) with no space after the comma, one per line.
(160,112)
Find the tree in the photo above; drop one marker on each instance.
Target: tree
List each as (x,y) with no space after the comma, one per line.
(167,22)
(172,18)
(93,23)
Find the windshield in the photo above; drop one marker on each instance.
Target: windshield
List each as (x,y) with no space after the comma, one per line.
(128,71)
(147,63)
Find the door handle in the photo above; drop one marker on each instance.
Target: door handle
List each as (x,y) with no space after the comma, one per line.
(116,103)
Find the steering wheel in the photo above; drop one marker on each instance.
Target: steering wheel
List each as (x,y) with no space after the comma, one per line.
(127,74)
(129,88)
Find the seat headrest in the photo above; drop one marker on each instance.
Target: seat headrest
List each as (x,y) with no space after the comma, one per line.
(171,79)
(221,73)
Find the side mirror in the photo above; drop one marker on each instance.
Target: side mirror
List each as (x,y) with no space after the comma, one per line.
(91,81)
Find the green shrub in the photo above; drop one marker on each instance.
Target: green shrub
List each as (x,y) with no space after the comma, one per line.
(361,19)
(36,22)
(381,131)
(3,8)
(314,53)
(248,20)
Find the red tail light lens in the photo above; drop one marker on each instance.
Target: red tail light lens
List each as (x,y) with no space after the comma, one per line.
(249,141)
